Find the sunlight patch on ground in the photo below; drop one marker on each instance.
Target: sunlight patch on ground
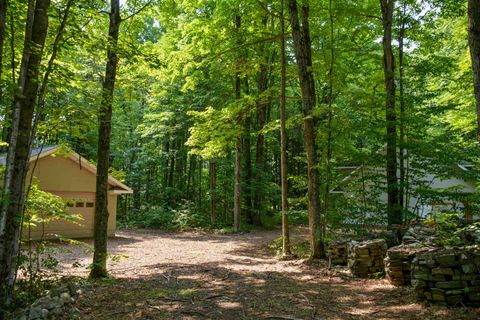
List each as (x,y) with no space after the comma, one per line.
(229,305)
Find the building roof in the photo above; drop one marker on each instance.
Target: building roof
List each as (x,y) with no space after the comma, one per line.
(41,152)
(33,153)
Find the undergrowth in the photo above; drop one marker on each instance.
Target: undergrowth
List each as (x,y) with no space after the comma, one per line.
(186,217)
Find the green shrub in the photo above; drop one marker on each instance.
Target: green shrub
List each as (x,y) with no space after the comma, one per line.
(452,230)
(156,217)
(185,217)
(300,248)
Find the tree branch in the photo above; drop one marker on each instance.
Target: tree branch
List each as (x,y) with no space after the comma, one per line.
(265,8)
(138,11)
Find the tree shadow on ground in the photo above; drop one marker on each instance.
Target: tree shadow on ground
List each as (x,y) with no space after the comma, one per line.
(210,291)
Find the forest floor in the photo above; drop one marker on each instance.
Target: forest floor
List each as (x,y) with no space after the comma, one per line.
(161,275)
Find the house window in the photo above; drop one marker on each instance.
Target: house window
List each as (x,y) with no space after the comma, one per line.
(79,204)
(89,204)
(70,204)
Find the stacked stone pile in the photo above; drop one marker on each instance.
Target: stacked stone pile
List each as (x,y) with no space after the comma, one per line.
(419,233)
(337,252)
(448,276)
(398,263)
(53,306)
(366,258)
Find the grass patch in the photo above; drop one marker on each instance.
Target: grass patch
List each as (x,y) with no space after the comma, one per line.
(169,293)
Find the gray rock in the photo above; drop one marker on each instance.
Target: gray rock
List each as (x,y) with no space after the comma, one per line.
(446,260)
(45,313)
(65,298)
(445,271)
(451,284)
(43,302)
(469,268)
(58,290)
(56,312)
(56,302)
(454,299)
(35,312)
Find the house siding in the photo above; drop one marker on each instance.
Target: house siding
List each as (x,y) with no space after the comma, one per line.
(67,179)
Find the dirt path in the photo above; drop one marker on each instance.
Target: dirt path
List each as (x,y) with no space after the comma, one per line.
(205,276)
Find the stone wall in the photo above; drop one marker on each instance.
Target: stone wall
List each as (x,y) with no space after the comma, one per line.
(448,276)
(419,233)
(337,252)
(58,304)
(366,258)
(398,263)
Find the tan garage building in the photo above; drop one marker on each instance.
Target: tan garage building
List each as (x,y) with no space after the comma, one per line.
(68,175)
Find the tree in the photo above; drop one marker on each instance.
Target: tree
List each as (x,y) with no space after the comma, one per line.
(393,208)
(474,43)
(283,135)
(303,55)
(3,26)
(19,145)
(237,202)
(99,266)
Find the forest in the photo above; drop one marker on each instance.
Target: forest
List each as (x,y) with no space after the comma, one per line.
(310,120)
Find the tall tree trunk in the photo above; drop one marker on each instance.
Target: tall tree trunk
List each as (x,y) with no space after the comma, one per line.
(474,42)
(393,208)
(12,46)
(189,178)
(99,266)
(148,184)
(166,153)
(283,135)
(46,76)
(12,112)
(237,198)
(261,114)
(3,25)
(328,158)
(171,168)
(212,172)
(402,155)
(303,55)
(248,165)
(200,171)
(18,151)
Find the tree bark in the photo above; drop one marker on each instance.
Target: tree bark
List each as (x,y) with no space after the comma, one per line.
(261,114)
(3,25)
(283,136)
(190,177)
(394,212)
(200,169)
(402,155)
(19,147)
(212,172)
(303,55)
(10,126)
(474,43)
(328,169)
(46,76)
(99,266)
(248,166)
(237,198)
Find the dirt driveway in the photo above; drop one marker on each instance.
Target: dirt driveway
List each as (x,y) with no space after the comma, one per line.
(207,276)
